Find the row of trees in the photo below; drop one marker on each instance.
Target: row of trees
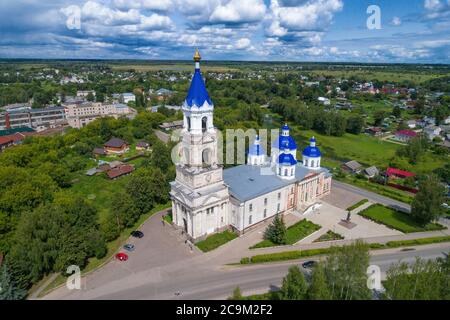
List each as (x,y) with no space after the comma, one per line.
(328,122)
(344,276)
(44,226)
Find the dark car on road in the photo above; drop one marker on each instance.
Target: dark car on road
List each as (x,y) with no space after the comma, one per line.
(309,264)
(129,247)
(137,234)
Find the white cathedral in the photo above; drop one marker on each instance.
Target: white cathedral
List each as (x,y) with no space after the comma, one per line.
(208,199)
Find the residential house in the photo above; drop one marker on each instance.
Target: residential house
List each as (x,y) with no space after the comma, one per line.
(172,125)
(374,131)
(324,101)
(142,146)
(432,132)
(352,166)
(13,139)
(371,172)
(405,135)
(411,124)
(120,171)
(393,172)
(116,146)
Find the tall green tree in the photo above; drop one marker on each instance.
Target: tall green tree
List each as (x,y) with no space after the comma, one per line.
(318,288)
(276,231)
(427,204)
(345,269)
(294,285)
(8,289)
(424,280)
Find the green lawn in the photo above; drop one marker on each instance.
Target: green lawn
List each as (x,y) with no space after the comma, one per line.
(216,240)
(329,236)
(363,148)
(383,190)
(294,234)
(396,219)
(168,218)
(358,204)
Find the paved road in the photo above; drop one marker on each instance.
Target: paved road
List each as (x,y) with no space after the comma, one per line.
(218,283)
(163,265)
(372,196)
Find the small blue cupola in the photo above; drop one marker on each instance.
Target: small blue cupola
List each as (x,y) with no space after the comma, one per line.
(256,153)
(197,94)
(286,165)
(284,141)
(312,155)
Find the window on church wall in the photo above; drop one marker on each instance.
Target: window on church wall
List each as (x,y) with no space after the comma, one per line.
(204,123)
(285,172)
(278,207)
(250,207)
(279,195)
(188,120)
(265,213)
(250,220)
(265,202)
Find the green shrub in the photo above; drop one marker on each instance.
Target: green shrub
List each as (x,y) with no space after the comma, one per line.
(245,260)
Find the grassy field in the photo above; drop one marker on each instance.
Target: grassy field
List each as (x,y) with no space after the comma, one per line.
(216,240)
(417,77)
(396,219)
(170,67)
(99,191)
(294,234)
(363,148)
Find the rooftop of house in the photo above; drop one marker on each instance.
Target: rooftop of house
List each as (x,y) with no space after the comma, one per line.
(354,165)
(115,143)
(408,133)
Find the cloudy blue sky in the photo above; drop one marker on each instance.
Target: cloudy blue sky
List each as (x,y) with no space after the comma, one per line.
(281,30)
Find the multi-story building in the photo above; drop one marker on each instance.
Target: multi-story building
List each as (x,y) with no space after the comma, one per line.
(33,118)
(207,199)
(80,114)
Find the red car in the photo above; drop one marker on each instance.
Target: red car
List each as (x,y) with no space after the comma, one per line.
(122,256)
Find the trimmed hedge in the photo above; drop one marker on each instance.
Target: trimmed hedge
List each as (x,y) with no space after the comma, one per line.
(297,254)
(286,255)
(402,243)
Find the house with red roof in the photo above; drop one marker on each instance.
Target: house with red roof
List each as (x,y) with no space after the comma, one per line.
(12,139)
(393,172)
(405,135)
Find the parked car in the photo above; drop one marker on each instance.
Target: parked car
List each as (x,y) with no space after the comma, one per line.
(122,256)
(137,234)
(129,247)
(309,264)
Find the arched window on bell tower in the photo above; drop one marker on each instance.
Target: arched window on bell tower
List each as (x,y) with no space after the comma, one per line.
(204,124)
(188,119)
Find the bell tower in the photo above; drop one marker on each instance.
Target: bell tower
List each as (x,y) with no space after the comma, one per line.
(199,195)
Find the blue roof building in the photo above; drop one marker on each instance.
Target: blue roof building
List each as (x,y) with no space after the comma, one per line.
(256,153)
(312,155)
